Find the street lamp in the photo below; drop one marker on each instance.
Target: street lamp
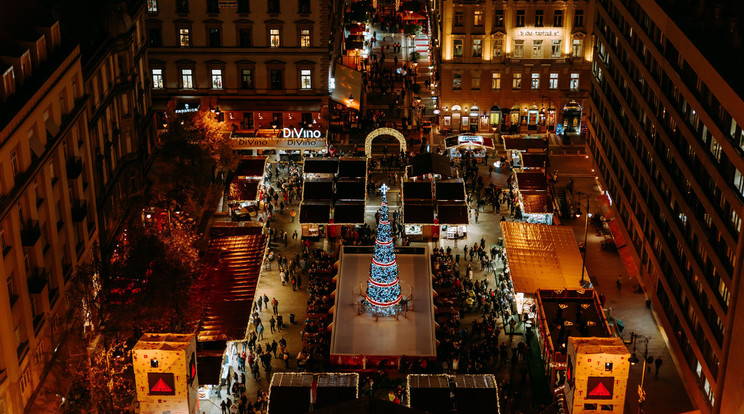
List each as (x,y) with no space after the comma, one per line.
(586,232)
(634,360)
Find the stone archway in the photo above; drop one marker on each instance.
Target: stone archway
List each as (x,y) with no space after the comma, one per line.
(383,131)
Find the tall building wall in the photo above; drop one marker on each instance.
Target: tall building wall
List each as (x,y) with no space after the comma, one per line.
(664,131)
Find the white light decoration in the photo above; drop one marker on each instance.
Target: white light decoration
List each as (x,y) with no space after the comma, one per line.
(383,131)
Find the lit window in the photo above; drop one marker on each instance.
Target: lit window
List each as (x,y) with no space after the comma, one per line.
(187,79)
(246,79)
(574,82)
(498,18)
(477,47)
(458,47)
(495,81)
(478,18)
(305,79)
(216,78)
(553,84)
(157,78)
(184,37)
(274,40)
(305,38)
(517,81)
(537,48)
(457,81)
(715,148)
(152,6)
(498,47)
(577,46)
(535,83)
(519,48)
(555,49)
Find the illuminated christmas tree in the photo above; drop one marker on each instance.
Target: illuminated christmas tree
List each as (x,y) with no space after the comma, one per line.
(383,287)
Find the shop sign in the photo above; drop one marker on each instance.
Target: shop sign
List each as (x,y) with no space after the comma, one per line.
(161,383)
(300,133)
(240,143)
(228,4)
(539,32)
(187,109)
(467,139)
(600,388)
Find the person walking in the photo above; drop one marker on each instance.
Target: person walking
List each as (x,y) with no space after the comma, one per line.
(619,282)
(272,324)
(260,331)
(275,305)
(286,359)
(658,365)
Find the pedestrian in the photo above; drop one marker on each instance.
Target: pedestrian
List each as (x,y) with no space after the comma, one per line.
(275,305)
(619,282)
(279,322)
(658,365)
(260,330)
(223,405)
(512,324)
(294,235)
(272,324)
(286,359)
(274,346)
(476,216)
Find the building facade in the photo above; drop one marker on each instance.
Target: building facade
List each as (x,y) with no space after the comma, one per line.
(264,64)
(47,205)
(665,132)
(513,65)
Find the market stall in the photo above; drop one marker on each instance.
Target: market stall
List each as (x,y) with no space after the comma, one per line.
(533,197)
(245,188)
(467,145)
(517,146)
(452,209)
(314,218)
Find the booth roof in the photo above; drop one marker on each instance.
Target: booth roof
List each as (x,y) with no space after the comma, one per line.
(611,345)
(430,163)
(367,405)
(534,160)
(536,181)
(536,203)
(315,213)
(317,189)
(525,144)
(320,166)
(452,213)
(243,190)
(592,322)
(348,213)
(450,190)
(350,189)
(542,256)
(418,213)
(352,168)
(251,167)
(417,190)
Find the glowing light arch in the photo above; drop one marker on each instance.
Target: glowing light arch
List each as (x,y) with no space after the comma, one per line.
(383,131)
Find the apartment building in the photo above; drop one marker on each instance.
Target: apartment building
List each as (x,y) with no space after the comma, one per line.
(513,65)
(264,64)
(47,204)
(666,111)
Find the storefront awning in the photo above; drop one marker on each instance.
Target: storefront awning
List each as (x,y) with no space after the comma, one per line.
(315,213)
(209,369)
(450,190)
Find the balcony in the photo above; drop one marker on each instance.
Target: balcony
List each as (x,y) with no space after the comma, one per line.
(38,281)
(22,350)
(79,210)
(38,323)
(74,167)
(30,233)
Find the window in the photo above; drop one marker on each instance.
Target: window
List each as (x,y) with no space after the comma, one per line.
(518,48)
(478,18)
(498,47)
(520,18)
(184,37)
(273,6)
(458,47)
(216,78)
(182,6)
(558,18)
(498,18)
(306,81)
(477,47)
(11,286)
(457,81)
(553,84)
(247,120)
(555,49)
(576,52)
(3,241)
(458,19)
(276,79)
(535,81)
(539,14)
(574,82)
(475,83)
(305,38)
(715,148)
(244,6)
(274,38)
(517,81)
(213,6)
(153,35)
(187,79)
(14,163)
(215,38)
(246,79)
(152,6)
(537,48)
(157,78)
(304,6)
(579,18)
(495,80)
(246,38)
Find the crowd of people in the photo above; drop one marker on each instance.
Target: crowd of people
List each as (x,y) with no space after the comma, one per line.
(315,336)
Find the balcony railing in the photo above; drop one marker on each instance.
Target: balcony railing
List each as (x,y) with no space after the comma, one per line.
(30,233)
(22,350)
(74,167)
(38,322)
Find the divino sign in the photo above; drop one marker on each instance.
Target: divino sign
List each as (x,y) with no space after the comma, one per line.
(291,142)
